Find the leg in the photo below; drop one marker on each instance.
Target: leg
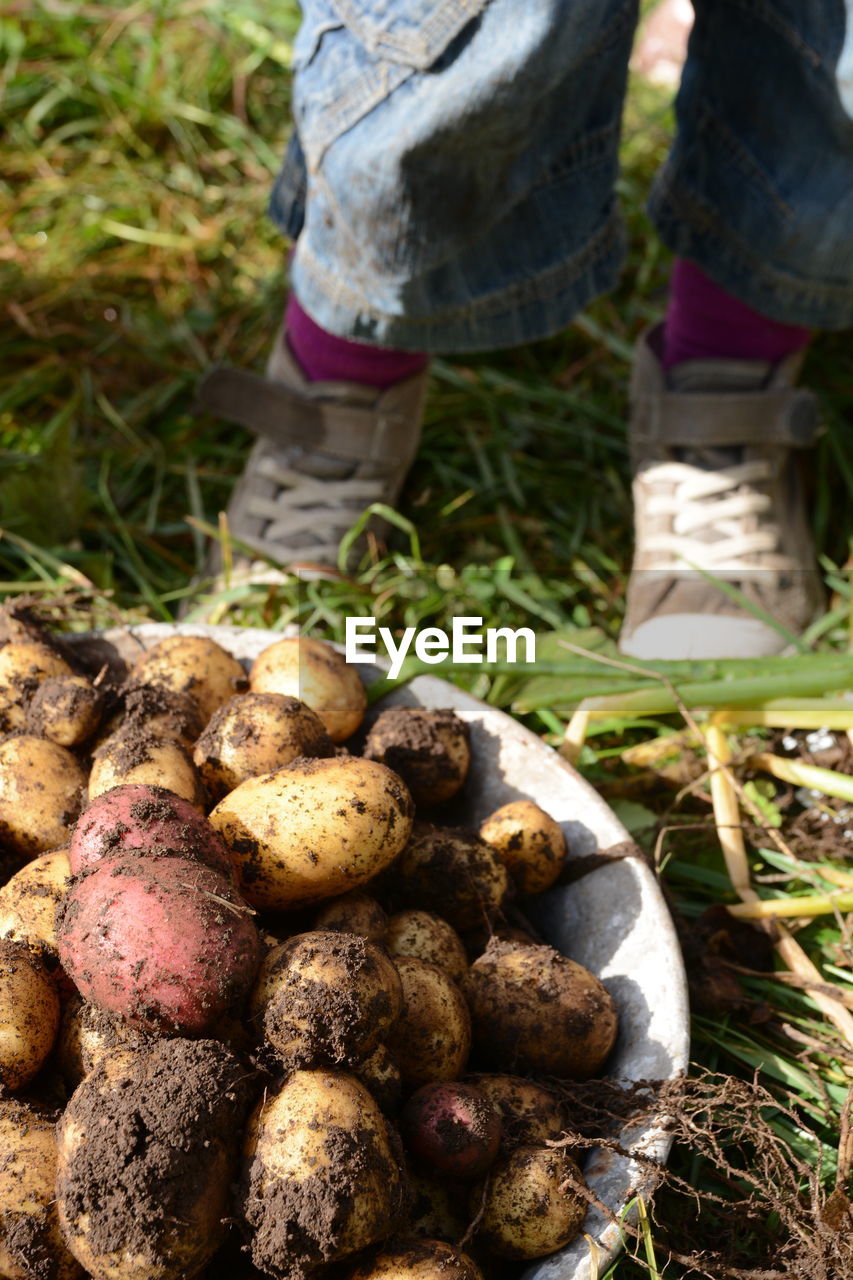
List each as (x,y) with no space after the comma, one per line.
(451,187)
(760,201)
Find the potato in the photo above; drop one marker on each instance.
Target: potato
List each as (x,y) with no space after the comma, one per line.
(25,664)
(530,1112)
(451,1128)
(87,1034)
(354,913)
(530,1208)
(428,748)
(41,790)
(534,1010)
(30,901)
(322,1178)
(132,756)
(166,943)
(29,1014)
(195,665)
(437,1209)
(427,937)
(65,709)
(453,873)
(381,1075)
(419,1260)
(313,829)
(256,733)
(148,1146)
(529,843)
(31,1244)
(432,1038)
(162,712)
(317,674)
(327,998)
(145,821)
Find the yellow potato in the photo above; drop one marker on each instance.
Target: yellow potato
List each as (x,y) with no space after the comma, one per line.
(427,746)
(317,674)
(130,756)
(29,1224)
(454,873)
(432,1038)
(530,1112)
(29,1014)
(529,843)
(24,666)
(313,830)
(255,733)
(326,998)
(530,1208)
(380,1073)
(148,1146)
(88,1034)
(420,1260)
(321,1139)
(66,709)
(195,665)
(354,913)
(534,1010)
(30,900)
(41,791)
(428,937)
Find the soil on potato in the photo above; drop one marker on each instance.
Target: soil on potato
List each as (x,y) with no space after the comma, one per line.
(148,1144)
(315,1023)
(413,747)
(297,1224)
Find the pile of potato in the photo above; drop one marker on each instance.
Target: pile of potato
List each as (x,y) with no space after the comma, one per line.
(252,1004)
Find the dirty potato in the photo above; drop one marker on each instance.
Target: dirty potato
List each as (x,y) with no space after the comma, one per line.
(195,665)
(432,1037)
(322,1177)
(42,787)
(529,843)
(255,733)
(29,902)
(31,1243)
(317,674)
(29,1014)
(533,1009)
(313,830)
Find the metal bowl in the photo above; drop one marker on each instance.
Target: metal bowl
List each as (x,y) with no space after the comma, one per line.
(613,920)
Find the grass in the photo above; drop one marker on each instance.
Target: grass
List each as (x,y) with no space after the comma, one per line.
(137,147)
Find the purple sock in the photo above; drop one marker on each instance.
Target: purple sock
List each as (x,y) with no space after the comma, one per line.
(703,322)
(325,358)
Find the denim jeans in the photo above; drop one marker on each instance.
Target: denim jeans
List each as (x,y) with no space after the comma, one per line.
(451,173)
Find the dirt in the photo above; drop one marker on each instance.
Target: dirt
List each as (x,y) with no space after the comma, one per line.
(300,1224)
(451,871)
(332,1000)
(157,1139)
(413,742)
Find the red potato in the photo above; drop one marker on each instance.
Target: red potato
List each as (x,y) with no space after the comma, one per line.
(452,1128)
(147,820)
(163,942)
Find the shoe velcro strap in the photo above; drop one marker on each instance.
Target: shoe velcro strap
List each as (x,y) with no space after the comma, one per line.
(272,410)
(696,419)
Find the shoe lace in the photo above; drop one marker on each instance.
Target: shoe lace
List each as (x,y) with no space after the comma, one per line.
(320,508)
(711,518)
